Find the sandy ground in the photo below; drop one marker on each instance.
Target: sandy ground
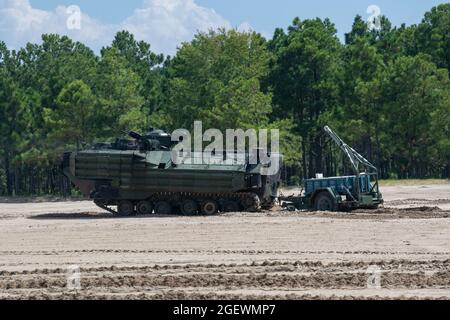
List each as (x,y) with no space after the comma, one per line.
(399,251)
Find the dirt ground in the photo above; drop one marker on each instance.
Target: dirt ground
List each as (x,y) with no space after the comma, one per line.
(399,251)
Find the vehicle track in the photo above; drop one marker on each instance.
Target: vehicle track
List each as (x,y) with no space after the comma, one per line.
(214,281)
(269,255)
(224,252)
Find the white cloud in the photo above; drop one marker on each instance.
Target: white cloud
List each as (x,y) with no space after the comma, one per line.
(162,23)
(21,23)
(167,23)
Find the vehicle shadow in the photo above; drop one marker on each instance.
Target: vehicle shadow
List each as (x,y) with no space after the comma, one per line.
(97,216)
(43,199)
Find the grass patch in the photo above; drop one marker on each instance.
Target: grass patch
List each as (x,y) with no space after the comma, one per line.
(413,182)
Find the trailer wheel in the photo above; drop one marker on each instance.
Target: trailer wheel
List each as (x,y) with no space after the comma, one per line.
(291,207)
(125,208)
(324,202)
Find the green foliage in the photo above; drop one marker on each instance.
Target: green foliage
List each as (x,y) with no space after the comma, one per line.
(304,80)
(117,87)
(72,121)
(216,79)
(3,189)
(433,35)
(146,64)
(13,116)
(385,91)
(417,93)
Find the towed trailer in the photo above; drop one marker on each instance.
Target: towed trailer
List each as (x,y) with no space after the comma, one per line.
(343,193)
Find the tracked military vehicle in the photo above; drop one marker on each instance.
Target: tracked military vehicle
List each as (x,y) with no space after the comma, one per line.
(138,176)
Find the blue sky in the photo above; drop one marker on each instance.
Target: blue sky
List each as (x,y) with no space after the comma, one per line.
(266,15)
(166,23)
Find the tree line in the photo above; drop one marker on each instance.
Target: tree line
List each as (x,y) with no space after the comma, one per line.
(386,91)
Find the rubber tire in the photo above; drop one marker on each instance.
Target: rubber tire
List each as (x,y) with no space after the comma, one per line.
(189,207)
(144,208)
(163,208)
(324,202)
(210,207)
(125,208)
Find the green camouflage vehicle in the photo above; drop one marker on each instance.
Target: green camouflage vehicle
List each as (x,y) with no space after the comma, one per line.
(138,176)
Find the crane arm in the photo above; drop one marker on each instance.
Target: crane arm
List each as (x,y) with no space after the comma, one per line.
(355,158)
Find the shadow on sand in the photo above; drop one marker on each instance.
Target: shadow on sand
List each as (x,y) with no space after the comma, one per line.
(96,216)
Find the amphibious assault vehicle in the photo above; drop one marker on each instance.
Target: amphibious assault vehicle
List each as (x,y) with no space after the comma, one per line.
(139,176)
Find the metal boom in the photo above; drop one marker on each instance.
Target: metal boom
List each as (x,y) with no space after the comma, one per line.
(355,158)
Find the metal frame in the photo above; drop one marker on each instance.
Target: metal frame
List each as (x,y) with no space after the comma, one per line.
(356,160)
(358,163)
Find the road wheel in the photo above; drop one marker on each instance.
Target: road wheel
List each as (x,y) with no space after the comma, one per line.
(125,208)
(324,202)
(144,207)
(189,207)
(230,206)
(163,208)
(210,207)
